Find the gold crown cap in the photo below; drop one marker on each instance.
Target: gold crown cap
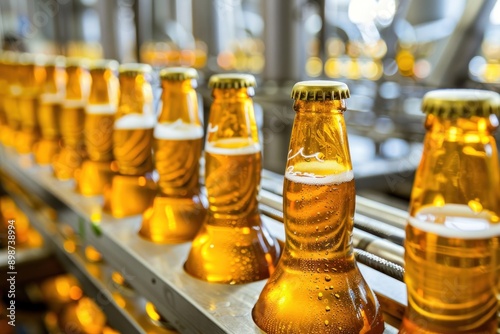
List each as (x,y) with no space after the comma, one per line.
(178,73)
(464,103)
(232,80)
(320,90)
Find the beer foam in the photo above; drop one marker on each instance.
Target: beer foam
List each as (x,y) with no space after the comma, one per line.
(73,103)
(232,146)
(318,180)
(48,98)
(319,172)
(135,121)
(100,109)
(456,221)
(178,131)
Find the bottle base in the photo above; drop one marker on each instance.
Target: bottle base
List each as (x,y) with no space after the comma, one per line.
(25,141)
(93,177)
(129,195)
(172,220)
(45,150)
(66,163)
(232,255)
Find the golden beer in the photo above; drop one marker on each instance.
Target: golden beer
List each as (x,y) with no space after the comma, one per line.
(452,251)
(232,246)
(72,119)
(3,91)
(317,286)
(11,98)
(177,211)
(133,189)
(49,111)
(96,173)
(31,74)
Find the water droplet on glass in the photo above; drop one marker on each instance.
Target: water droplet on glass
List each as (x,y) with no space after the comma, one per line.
(320,296)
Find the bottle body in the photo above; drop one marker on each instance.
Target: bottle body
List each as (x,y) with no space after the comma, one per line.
(71,121)
(31,78)
(452,254)
(49,112)
(232,246)
(317,269)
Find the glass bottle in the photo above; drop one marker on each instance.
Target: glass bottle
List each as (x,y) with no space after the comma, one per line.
(178,210)
(49,110)
(232,245)
(317,286)
(31,73)
(452,235)
(96,171)
(72,119)
(133,188)
(4,87)
(11,98)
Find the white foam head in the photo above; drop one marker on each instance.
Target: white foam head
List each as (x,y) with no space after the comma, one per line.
(456,221)
(178,131)
(48,98)
(313,179)
(100,109)
(135,121)
(232,146)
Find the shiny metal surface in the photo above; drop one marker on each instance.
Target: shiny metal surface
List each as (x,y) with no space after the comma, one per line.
(155,271)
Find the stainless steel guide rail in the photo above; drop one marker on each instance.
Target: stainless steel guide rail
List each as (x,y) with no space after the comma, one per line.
(156,271)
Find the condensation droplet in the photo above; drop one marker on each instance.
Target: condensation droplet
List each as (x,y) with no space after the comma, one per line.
(326,322)
(337,296)
(328,278)
(320,296)
(327,309)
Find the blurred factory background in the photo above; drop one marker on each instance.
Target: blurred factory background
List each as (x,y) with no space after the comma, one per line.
(389,52)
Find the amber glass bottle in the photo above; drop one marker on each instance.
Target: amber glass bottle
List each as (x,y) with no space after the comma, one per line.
(11,98)
(452,253)
(96,172)
(178,211)
(132,189)
(317,286)
(72,119)
(232,246)
(31,74)
(49,110)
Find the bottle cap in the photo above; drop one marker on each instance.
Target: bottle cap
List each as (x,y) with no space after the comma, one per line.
(134,69)
(232,80)
(77,62)
(31,59)
(320,90)
(56,61)
(104,64)
(452,103)
(178,73)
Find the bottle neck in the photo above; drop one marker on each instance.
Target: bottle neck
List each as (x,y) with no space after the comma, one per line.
(77,84)
(232,118)
(104,88)
(136,96)
(179,102)
(459,165)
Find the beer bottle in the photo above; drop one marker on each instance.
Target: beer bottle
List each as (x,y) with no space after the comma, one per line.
(132,189)
(452,235)
(317,286)
(4,86)
(11,98)
(178,211)
(72,119)
(49,110)
(96,171)
(31,76)
(232,245)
